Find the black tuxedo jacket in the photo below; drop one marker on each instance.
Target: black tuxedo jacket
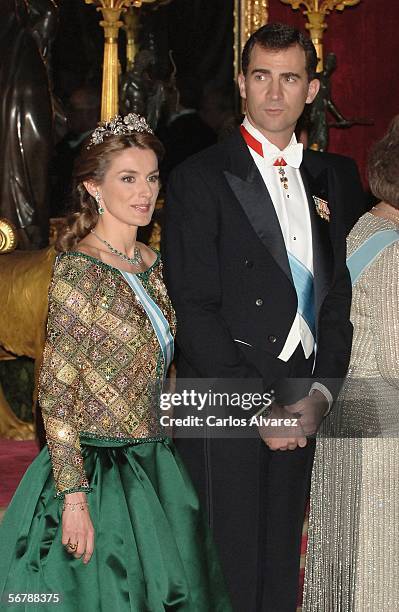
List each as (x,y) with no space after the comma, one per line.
(227,271)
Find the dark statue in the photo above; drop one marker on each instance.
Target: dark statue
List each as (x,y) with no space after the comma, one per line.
(322,105)
(141,93)
(27,116)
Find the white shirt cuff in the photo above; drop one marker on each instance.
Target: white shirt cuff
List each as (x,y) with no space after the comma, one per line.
(319,387)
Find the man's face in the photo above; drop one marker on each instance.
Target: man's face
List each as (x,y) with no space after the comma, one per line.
(276,89)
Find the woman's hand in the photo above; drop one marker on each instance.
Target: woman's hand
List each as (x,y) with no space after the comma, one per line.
(77,528)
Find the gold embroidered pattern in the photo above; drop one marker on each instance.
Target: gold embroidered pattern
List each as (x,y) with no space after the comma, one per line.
(101,361)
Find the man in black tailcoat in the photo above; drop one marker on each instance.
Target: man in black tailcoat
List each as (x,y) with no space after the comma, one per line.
(254,252)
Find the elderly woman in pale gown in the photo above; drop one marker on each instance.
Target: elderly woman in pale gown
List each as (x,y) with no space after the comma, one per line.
(353,550)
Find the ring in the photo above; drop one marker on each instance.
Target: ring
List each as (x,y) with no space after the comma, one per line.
(71,547)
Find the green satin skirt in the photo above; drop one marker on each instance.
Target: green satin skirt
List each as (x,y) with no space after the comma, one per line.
(153,551)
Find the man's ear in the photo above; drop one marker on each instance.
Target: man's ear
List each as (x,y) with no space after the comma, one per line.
(313,90)
(241,86)
(90,187)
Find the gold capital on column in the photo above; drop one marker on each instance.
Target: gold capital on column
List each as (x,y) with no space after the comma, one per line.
(111,11)
(316,12)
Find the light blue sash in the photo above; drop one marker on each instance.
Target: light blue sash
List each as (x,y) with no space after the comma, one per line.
(303,281)
(156,316)
(364,255)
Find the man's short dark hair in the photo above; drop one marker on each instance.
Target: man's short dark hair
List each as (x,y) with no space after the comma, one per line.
(277,36)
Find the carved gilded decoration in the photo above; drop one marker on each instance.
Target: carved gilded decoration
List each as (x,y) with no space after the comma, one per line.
(249,15)
(8,236)
(316,12)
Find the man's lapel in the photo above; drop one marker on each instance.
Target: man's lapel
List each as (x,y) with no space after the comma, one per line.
(323,259)
(249,188)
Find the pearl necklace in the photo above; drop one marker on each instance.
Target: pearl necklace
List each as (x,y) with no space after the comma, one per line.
(387,213)
(136,260)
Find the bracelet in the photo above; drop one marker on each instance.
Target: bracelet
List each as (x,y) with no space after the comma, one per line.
(81,505)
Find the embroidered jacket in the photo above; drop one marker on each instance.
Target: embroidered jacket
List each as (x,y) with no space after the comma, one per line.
(101,362)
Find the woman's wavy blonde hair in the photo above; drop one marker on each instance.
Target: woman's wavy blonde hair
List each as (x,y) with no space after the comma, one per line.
(92,165)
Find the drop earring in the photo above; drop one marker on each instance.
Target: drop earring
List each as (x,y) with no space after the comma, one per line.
(97,197)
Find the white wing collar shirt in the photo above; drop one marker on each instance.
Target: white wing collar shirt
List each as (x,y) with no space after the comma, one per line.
(292,210)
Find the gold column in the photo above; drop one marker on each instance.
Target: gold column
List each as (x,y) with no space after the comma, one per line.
(316,12)
(249,16)
(111,11)
(131,27)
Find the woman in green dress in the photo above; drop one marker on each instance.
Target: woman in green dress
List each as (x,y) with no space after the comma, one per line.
(106,516)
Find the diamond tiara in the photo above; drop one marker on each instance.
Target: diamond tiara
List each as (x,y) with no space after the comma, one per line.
(118,126)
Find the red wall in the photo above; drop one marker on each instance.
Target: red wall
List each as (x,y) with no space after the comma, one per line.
(365,39)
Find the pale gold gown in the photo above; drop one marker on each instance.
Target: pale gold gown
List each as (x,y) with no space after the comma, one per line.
(353,550)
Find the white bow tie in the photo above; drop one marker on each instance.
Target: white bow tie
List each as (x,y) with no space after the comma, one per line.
(292,155)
